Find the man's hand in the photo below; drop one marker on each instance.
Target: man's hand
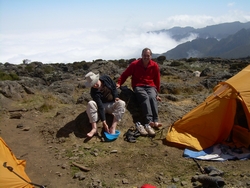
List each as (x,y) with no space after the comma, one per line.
(158,98)
(118,85)
(105,126)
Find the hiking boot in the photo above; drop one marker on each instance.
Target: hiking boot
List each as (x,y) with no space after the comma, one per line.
(141,129)
(150,130)
(212,171)
(209,181)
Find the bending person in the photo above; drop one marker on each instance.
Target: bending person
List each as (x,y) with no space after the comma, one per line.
(105,100)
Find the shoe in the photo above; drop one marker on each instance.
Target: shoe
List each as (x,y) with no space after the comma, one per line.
(130,138)
(150,130)
(141,129)
(209,181)
(136,133)
(212,171)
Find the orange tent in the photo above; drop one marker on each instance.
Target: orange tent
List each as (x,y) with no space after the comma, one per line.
(224,116)
(7,177)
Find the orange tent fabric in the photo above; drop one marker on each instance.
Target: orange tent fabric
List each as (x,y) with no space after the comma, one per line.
(8,178)
(213,121)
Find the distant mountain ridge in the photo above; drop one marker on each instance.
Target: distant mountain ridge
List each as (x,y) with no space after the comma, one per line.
(227,40)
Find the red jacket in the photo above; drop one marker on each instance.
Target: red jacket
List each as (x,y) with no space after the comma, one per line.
(141,76)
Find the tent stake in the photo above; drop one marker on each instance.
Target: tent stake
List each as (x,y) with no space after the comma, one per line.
(200,167)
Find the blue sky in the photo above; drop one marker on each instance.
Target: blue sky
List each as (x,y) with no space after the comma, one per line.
(64,31)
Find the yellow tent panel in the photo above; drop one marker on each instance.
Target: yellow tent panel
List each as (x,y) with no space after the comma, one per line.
(9,179)
(214,120)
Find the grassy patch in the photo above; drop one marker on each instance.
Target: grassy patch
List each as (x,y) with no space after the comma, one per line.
(8,76)
(45,107)
(42,102)
(32,101)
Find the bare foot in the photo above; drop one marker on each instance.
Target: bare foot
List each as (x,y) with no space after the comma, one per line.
(157,124)
(112,130)
(92,132)
(152,124)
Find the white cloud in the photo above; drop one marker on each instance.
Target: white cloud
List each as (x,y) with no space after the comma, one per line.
(88,45)
(197,21)
(231,4)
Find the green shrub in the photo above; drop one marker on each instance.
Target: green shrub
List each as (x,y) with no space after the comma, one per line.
(80,65)
(14,76)
(121,63)
(240,65)
(6,76)
(161,59)
(192,59)
(48,69)
(176,63)
(29,68)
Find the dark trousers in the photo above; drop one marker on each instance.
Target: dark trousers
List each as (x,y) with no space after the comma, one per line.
(146,97)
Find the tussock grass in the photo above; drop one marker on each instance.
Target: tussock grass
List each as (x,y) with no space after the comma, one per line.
(46,107)
(43,102)
(8,76)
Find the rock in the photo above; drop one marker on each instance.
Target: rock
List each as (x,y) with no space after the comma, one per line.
(87,147)
(124,181)
(12,90)
(206,72)
(175,180)
(59,174)
(82,167)
(26,129)
(113,151)
(196,73)
(15,115)
(94,153)
(184,183)
(28,90)
(19,126)
(79,176)
(64,166)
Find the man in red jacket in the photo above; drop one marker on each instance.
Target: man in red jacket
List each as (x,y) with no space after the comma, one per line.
(146,85)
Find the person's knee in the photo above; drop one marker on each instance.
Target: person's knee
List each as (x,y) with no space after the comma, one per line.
(121,103)
(91,106)
(119,107)
(152,97)
(91,103)
(142,98)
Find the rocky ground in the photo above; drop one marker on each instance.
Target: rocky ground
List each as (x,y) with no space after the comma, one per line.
(43,121)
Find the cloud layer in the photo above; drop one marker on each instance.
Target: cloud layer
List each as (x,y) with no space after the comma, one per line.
(86,44)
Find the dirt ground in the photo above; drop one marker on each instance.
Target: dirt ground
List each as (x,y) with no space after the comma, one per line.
(50,142)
